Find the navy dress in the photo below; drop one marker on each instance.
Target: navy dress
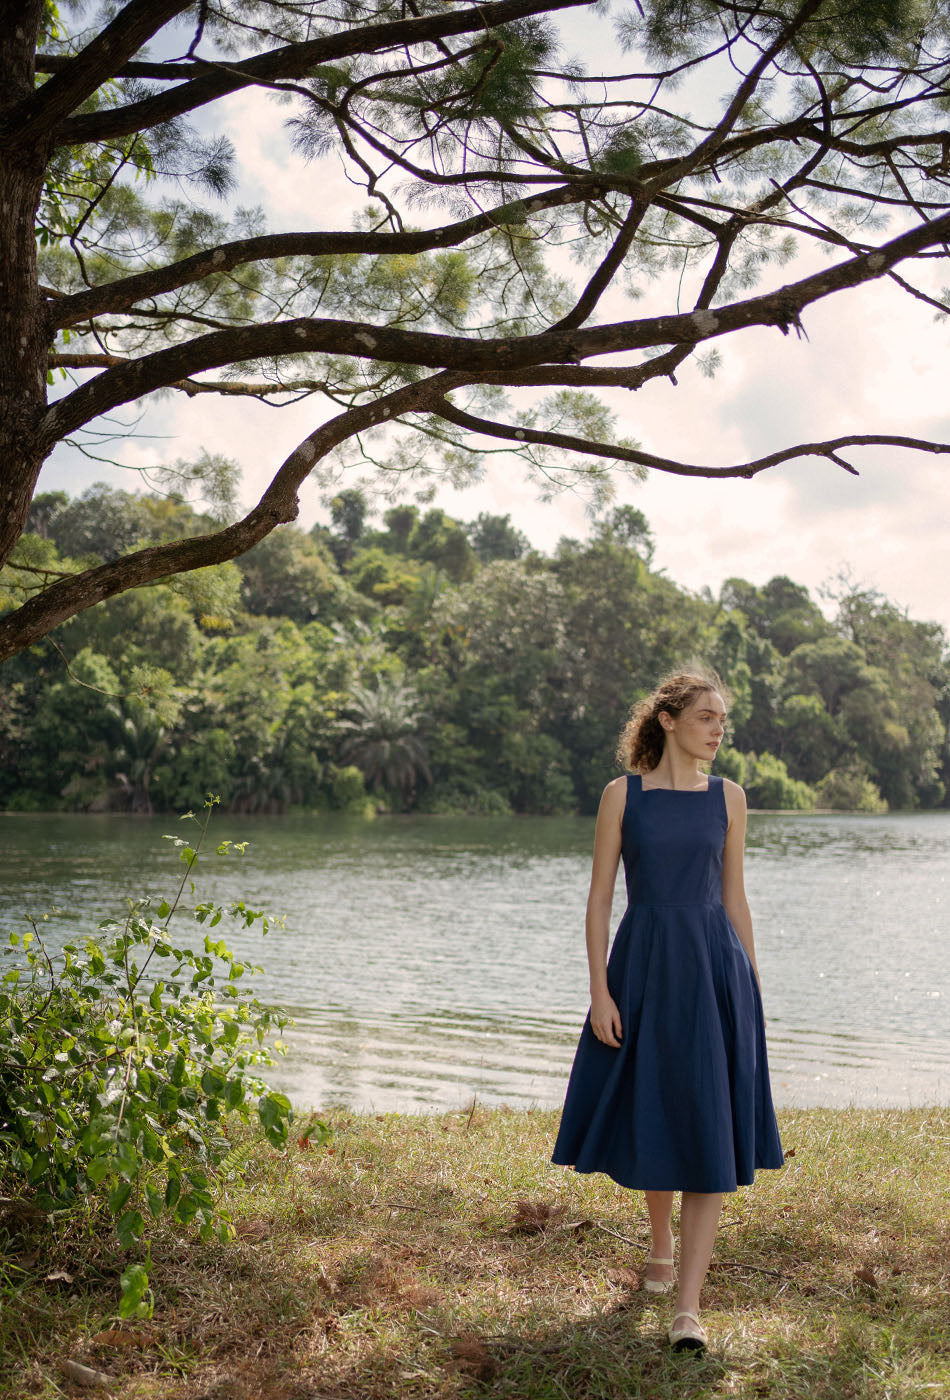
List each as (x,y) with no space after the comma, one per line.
(684,1104)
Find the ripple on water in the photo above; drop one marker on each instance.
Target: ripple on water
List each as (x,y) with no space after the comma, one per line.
(429,960)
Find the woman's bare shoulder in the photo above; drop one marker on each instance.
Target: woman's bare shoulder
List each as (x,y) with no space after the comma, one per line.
(735,797)
(614,796)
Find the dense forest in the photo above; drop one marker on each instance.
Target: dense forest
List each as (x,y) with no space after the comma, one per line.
(402,660)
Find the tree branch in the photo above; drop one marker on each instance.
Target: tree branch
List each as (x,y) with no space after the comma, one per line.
(296,61)
(781,308)
(709,147)
(568,443)
(603,275)
(132,27)
(239,388)
(278,505)
(164,72)
(124,292)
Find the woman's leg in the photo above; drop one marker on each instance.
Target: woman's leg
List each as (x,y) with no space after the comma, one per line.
(699,1221)
(660,1206)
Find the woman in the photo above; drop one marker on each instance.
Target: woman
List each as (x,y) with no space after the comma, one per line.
(670,1085)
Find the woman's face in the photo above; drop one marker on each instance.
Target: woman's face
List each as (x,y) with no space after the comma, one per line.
(700,727)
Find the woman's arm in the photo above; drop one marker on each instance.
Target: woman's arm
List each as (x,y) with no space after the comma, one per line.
(733,887)
(604,1015)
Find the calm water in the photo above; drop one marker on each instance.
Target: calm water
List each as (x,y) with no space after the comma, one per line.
(427,960)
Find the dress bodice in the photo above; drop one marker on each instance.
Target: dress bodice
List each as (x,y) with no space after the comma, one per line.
(672,842)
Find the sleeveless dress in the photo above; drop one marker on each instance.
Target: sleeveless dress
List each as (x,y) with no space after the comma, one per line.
(685,1103)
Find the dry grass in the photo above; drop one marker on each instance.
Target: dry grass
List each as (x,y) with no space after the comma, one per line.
(445,1257)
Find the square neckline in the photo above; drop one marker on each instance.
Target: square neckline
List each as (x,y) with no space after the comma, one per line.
(690,792)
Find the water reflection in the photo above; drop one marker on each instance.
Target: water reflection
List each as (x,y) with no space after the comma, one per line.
(427,960)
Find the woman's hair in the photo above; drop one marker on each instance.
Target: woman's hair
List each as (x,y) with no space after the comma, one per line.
(641,743)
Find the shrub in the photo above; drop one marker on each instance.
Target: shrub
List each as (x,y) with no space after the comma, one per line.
(768,785)
(849,789)
(349,792)
(459,802)
(121,1056)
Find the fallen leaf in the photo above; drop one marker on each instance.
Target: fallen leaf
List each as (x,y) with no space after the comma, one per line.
(789,1152)
(122,1337)
(866,1276)
(59,1276)
(534,1216)
(471,1355)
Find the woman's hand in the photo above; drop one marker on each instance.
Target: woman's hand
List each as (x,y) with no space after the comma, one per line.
(605,1020)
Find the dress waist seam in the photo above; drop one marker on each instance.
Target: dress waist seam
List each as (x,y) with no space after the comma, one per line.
(675,904)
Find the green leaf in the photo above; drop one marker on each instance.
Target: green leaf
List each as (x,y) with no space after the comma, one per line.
(130,1228)
(136,1299)
(155,1200)
(119,1195)
(98,1169)
(213,1082)
(187,1208)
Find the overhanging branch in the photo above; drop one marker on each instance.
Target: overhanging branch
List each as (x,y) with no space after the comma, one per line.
(297,61)
(566,442)
(278,505)
(781,308)
(123,293)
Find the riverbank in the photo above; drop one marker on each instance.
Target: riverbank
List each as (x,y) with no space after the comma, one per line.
(442,1256)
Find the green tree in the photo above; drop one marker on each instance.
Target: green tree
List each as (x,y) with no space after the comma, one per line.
(400,521)
(42,509)
(102,521)
(441,541)
(831,669)
(781,611)
(385,578)
(915,660)
(424,348)
(348,511)
(143,732)
(629,528)
(809,740)
(494,537)
(288,575)
(383,736)
(623,627)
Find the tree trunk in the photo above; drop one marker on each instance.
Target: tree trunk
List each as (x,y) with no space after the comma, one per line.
(24,333)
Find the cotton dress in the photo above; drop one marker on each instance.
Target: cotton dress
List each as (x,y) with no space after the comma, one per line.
(685,1103)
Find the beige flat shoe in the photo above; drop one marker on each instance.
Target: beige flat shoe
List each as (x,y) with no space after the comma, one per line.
(689,1336)
(658,1285)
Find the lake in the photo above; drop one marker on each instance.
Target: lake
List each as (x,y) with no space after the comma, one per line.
(428,960)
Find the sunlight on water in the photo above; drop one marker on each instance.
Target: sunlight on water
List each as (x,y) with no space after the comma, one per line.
(428,960)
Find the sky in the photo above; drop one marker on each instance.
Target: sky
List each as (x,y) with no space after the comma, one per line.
(875,361)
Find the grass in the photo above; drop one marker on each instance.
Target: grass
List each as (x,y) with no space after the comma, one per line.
(444,1256)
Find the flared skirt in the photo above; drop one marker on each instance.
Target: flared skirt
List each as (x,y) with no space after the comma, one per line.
(685,1103)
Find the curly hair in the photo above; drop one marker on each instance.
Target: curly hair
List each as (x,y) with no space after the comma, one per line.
(641,743)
